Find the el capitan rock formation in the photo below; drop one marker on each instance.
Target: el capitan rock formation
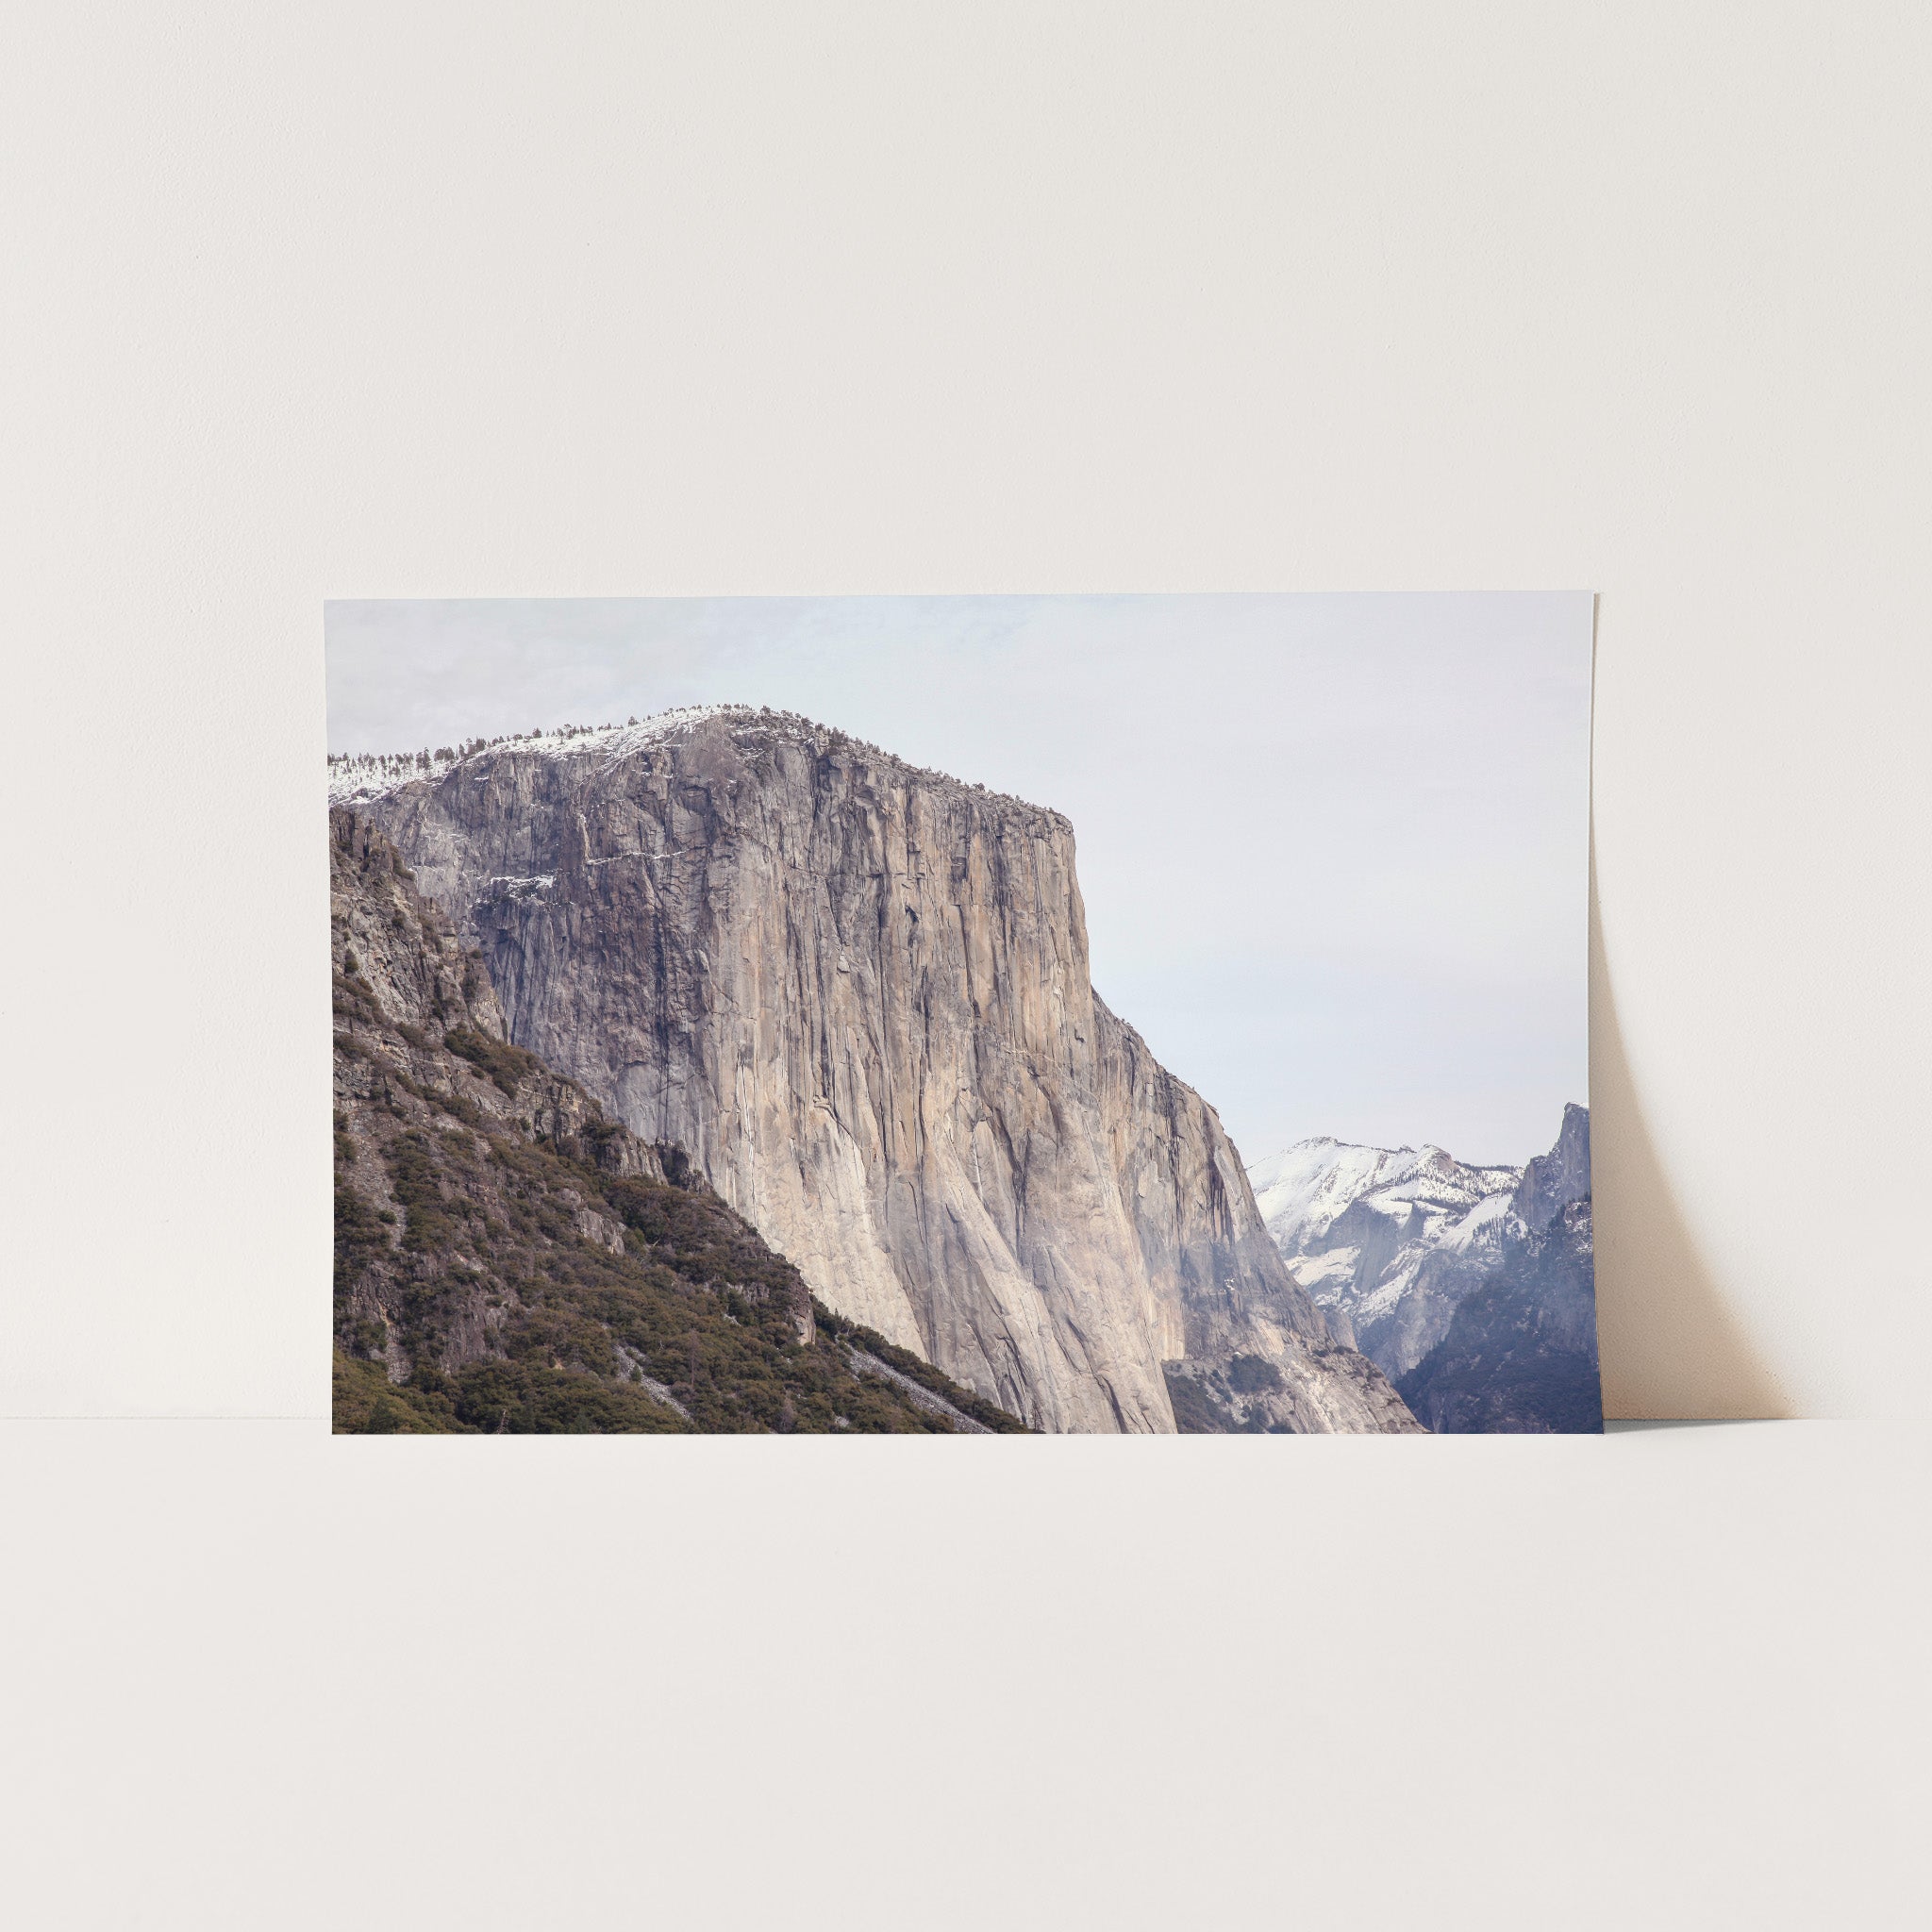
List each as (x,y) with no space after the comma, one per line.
(856,993)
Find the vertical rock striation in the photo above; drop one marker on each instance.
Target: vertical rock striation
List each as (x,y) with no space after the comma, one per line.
(508,1258)
(858,995)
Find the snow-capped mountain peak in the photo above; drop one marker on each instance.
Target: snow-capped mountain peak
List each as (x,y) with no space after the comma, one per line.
(1385,1239)
(1392,1242)
(1302,1191)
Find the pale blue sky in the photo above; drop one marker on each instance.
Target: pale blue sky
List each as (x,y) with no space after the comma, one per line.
(1334,848)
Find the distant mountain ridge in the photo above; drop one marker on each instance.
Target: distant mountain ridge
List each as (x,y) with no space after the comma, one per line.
(1385,1239)
(1472,1287)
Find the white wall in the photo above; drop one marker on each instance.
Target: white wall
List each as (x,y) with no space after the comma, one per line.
(436,299)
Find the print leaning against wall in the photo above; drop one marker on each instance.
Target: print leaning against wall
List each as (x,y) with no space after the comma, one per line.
(728,1039)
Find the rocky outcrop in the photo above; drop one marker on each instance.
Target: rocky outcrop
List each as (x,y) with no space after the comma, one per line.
(1555,1180)
(858,995)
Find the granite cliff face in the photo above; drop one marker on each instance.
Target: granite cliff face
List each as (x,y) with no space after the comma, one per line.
(509,1259)
(858,995)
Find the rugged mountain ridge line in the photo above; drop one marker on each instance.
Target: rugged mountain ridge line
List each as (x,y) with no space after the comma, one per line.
(1472,1288)
(859,995)
(509,1257)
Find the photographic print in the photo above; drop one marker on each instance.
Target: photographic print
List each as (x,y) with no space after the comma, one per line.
(971,1015)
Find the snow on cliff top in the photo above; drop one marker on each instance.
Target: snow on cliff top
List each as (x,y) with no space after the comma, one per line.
(358,777)
(355,776)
